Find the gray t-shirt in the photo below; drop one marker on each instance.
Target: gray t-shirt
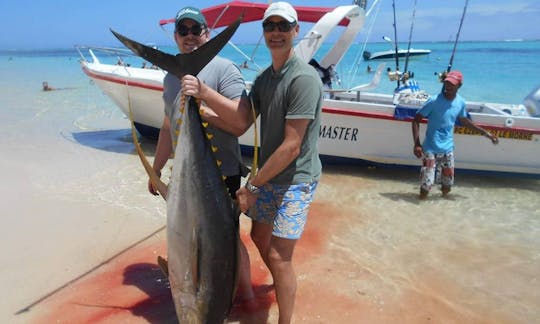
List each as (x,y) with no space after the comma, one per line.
(224,77)
(295,92)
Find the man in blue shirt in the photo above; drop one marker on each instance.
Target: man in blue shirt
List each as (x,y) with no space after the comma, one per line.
(437,150)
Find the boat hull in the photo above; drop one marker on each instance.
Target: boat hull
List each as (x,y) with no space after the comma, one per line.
(140,88)
(364,131)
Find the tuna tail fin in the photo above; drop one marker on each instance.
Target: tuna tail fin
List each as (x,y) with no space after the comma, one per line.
(182,64)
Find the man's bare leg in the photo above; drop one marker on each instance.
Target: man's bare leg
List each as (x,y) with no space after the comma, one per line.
(261,234)
(280,261)
(245,289)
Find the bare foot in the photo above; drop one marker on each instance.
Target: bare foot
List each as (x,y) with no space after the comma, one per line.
(423,194)
(445,190)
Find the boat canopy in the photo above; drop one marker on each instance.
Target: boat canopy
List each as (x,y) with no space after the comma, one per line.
(224,14)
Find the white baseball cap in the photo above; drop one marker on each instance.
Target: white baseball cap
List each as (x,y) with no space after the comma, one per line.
(283,10)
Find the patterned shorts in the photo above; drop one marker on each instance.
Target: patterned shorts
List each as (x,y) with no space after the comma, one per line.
(437,169)
(285,207)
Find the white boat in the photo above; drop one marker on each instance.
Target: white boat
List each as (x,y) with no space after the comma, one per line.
(357,126)
(391,54)
(396,52)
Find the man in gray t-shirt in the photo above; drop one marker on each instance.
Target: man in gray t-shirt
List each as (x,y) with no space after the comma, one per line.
(225,77)
(191,31)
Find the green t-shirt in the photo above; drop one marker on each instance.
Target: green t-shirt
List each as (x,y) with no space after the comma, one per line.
(294,92)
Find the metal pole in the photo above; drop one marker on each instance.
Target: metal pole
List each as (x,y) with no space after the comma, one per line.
(457,37)
(396,40)
(410,39)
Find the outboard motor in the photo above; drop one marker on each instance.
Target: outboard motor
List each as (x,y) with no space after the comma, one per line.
(532,102)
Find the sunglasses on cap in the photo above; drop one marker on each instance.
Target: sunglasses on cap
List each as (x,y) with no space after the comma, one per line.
(195,30)
(283,26)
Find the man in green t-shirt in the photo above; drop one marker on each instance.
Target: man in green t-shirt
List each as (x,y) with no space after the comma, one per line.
(288,98)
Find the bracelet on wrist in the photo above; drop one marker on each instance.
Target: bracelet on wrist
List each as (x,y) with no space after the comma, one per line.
(251,188)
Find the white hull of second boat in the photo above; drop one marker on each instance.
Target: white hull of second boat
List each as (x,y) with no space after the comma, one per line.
(391,54)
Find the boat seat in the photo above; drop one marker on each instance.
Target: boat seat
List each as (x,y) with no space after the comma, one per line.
(374,82)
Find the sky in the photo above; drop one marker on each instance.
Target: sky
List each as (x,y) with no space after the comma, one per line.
(54,24)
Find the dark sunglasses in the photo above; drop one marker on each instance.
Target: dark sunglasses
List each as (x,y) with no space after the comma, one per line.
(195,30)
(283,26)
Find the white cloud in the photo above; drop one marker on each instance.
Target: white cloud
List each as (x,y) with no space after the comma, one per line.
(506,8)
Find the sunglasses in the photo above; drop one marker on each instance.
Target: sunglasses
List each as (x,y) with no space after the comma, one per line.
(283,26)
(195,30)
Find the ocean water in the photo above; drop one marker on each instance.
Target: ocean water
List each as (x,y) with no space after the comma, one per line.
(476,255)
(501,72)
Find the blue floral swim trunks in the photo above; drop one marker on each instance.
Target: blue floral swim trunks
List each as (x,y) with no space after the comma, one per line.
(285,207)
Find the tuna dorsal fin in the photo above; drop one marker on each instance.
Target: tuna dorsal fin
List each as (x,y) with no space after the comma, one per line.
(182,64)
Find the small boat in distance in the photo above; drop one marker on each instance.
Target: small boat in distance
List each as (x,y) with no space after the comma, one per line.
(391,54)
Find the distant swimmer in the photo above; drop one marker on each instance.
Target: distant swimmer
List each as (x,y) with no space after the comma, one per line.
(46,86)
(245,65)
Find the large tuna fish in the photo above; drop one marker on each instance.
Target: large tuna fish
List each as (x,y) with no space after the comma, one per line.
(202,219)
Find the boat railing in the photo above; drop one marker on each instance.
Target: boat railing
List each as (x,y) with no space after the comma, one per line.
(361,96)
(109,51)
(113,56)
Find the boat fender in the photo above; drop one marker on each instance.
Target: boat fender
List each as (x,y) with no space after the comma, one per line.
(509,122)
(532,102)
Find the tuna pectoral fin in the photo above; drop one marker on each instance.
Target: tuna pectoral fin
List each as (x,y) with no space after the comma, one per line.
(156,181)
(182,64)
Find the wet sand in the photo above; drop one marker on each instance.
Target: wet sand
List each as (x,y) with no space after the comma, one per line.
(85,250)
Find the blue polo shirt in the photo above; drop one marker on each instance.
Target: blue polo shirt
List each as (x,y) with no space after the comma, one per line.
(441,114)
